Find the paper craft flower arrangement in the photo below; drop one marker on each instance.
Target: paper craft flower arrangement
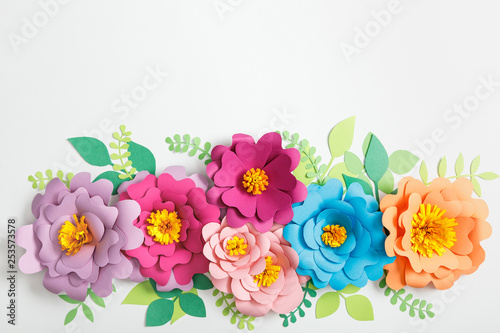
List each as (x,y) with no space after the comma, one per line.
(257,235)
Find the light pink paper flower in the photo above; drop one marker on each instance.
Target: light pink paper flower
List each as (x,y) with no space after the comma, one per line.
(93,261)
(173,213)
(257,268)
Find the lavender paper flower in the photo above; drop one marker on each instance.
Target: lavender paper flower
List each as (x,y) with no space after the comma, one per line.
(78,238)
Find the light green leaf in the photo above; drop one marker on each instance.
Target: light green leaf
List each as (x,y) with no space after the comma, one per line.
(87,312)
(475,164)
(353,163)
(66,298)
(141,294)
(350,289)
(488,175)
(337,172)
(459,164)
(359,307)
(340,137)
(178,313)
(70,316)
(301,172)
(97,300)
(476,186)
(402,161)
(442,167)
(93,151)
(386,184)
(327,304)
(424,174)
(376,161)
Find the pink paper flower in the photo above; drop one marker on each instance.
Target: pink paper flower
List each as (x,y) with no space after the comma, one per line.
(254,181)
(78,238)
(257,268)
(173,213)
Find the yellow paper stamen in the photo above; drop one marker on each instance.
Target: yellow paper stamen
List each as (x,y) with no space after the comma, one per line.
(255,181)
(165,226)
(236,246)
(72,237)
(334,235)
(431,232)
(269,275)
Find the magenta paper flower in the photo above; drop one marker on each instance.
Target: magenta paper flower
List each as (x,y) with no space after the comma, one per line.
(173,213)
(257,268)
(254,181)
(78,238)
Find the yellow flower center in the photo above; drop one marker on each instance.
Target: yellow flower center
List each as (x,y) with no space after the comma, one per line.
(72,237)
(236,246)
(269,275)
(165,226)
(431,231)
(334,235)
(255,181)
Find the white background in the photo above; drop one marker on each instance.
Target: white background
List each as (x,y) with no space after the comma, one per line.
(248,66)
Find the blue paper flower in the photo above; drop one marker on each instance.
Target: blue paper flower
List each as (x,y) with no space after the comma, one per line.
(339,241)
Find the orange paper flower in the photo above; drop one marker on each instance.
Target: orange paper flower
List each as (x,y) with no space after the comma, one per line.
(434,231)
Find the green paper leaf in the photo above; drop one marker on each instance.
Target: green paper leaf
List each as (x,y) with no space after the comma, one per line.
(159,312)
(353,163)
(402,161)
(366,143)
(87,312)
(475,164)
(424,174)
(142,158)
(113,177)
(376,161)
(386,184)
(70,316)
(142,294)
(459,165)
(97,300)
(359,307)
(350,289)
(202,282)
(66,298)
(340,137)
(488,175)
(442,167)
(476,186)
(193,305)
(327,304)
(337,172)
(366,187)
(93,151)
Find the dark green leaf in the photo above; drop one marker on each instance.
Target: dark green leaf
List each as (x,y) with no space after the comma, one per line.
(376,161)
(165,294)
(192,304)
(142,158)
(93,151)
(159,312)
(366,187)
(113,177)
(202,282)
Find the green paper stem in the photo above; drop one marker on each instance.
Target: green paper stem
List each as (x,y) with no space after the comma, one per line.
(231,308)
(293,318)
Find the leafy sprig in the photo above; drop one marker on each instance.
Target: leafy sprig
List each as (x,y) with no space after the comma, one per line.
(87,311)
(39,181)
(123,139)
(189,145)
(417,306)
(308,289)
(230,308)
(459,168)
